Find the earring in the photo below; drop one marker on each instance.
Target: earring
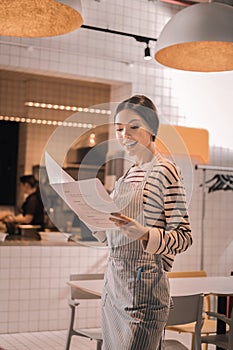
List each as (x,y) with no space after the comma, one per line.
(152,137)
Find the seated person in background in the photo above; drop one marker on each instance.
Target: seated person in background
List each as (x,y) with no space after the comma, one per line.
(32,208)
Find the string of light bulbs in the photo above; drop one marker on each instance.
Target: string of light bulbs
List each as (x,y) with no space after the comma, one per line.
(67,108)
(52,122)
(46,122)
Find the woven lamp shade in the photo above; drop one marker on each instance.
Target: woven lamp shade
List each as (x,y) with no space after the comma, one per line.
(38,18)
(198,38)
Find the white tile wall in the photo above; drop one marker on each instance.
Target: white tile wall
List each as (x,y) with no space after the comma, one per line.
(33,287)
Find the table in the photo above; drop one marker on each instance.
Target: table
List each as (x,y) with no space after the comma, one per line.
(219,286)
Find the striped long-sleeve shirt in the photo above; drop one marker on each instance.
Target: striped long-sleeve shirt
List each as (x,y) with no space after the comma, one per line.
(165,210)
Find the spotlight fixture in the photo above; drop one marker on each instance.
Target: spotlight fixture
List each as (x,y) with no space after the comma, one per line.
(147,55)
(198,38)
(36,18)
(139,38)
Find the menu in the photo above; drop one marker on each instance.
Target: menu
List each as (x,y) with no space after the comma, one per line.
(87,198)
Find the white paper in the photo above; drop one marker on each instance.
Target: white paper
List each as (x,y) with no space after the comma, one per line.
(55,173)
(87,198)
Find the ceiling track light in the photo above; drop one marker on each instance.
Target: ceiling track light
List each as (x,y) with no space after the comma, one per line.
(142,39)
(147,55)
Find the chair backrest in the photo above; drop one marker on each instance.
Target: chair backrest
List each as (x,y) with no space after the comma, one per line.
(187,309)
(182,274)
(79,294)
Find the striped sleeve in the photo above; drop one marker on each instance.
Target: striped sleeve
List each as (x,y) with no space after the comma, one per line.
(170,232)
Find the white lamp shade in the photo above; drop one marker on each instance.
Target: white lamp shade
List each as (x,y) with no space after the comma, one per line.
(39,18)
(198,38)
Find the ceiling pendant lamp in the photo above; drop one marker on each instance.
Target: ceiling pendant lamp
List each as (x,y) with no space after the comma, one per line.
(39,18)
(198,38)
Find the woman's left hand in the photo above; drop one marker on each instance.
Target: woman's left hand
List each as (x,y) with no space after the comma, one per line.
(130,227)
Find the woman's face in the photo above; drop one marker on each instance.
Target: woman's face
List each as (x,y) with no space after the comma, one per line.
(132,132)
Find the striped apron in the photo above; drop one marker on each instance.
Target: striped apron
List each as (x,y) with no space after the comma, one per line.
(135,300)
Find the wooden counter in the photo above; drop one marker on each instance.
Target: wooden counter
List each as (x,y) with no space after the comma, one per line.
(37,240)
(15,240)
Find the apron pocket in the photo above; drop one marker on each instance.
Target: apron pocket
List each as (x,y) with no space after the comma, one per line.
(151,290)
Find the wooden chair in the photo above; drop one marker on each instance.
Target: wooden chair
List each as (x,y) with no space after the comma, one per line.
(187,309)
(74,302)
(223,341)
(209,325)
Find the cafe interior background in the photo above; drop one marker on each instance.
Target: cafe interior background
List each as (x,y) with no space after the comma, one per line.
(95,70)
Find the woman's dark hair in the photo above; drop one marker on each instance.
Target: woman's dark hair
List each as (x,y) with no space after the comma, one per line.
(30,179)
(144,107)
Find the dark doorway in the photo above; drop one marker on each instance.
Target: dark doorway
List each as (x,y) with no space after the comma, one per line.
(9,132)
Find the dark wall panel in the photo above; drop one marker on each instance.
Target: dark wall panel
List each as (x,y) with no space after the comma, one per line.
(8,162)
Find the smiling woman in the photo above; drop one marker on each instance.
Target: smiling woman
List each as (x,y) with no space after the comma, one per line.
(152,226)
(136,126)
(132,135)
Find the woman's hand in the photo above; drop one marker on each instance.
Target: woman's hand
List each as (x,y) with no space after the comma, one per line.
(130,227)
